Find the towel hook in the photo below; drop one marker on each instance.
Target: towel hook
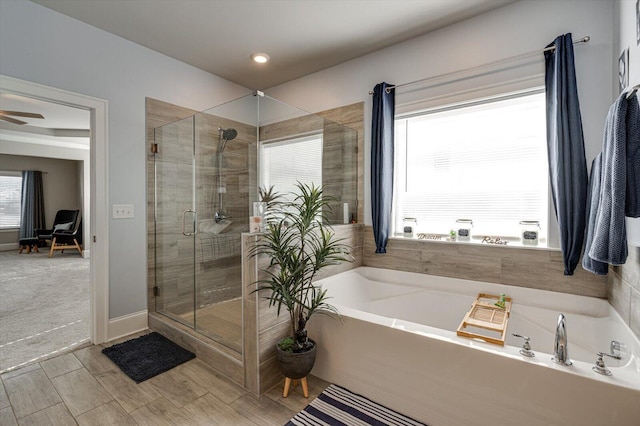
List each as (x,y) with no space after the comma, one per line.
(633,91)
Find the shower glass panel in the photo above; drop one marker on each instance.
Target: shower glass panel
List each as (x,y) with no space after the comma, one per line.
(174,220)
(207,172)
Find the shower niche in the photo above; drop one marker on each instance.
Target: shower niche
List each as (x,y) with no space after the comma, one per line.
(204,171)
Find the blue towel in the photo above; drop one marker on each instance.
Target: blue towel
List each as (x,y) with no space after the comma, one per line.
(606,234)
(632,203)
(593,200)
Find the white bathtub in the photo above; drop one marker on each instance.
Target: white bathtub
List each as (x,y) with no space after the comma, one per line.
(397,344)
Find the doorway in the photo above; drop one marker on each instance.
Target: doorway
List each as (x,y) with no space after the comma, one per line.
(93,172)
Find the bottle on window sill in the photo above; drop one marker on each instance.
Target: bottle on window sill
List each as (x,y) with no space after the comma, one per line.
(409,226)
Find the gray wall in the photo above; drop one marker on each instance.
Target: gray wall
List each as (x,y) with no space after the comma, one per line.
(46,47)
(62,180)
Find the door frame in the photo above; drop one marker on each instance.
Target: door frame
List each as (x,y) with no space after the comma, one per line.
(99,191)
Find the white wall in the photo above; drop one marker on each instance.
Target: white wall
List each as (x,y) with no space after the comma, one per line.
(518,28)
(43,46)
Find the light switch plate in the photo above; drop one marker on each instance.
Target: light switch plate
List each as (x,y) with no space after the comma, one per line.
(122,211)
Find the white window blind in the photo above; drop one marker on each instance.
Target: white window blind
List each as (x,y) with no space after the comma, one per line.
(484,161)
(286,162)
(10,193)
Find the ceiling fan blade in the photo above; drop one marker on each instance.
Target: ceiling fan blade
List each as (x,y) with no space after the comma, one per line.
(12,120)
(21,114)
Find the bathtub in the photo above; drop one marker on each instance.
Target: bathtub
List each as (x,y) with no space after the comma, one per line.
(396,343)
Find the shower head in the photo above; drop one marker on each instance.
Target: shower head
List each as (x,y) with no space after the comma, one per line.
(228,134)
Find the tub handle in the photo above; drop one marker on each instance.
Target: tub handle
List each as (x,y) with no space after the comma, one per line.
(526,347)
(616,348)
(600,368)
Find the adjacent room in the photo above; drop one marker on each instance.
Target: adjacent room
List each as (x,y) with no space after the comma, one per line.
(319,212)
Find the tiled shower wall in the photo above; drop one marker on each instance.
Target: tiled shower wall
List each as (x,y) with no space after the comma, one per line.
(217,256)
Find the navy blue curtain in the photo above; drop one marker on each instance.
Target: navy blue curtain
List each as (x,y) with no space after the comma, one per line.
(32,204)
(565,147)
(382,130)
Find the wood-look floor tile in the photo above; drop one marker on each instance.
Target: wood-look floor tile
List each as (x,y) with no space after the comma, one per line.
(207,408)
(110,413)
(30,392)
(80,391)
(4,399)
(60,365)
(159,413)
(177,388)
(296,401)
(130,395)
(94,360)
(215,383)
(19,371)
(57,415)
(7,418)
(262,411)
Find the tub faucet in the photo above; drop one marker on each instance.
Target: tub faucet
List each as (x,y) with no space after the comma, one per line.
(560,346)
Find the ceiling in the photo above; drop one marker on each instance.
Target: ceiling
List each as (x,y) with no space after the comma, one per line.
(62,126)
(300,36)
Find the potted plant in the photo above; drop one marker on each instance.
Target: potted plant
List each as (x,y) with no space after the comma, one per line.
(298,244)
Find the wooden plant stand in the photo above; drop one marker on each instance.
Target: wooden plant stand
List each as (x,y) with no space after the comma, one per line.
(287,384)
(485,315)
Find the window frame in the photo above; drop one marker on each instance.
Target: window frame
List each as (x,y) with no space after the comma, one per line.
(549,239)
(315,135)
(11,173)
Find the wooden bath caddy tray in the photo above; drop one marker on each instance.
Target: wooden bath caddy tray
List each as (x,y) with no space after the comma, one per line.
(485,315)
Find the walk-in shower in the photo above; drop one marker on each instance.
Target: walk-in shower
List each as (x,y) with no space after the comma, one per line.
(205,171)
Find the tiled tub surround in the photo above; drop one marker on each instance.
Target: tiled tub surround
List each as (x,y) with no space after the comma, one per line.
(263,328)
(518,266)
(399,327)
(623,289)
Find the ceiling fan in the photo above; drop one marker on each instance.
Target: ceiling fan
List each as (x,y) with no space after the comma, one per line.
(4,114)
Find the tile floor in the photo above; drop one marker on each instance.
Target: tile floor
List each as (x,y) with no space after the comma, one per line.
(84,387)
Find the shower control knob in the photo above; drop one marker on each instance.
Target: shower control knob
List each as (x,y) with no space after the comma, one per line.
(526,347)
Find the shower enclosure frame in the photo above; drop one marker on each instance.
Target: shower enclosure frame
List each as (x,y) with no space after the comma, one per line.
(251,366)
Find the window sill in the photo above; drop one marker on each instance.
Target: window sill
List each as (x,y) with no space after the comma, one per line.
(9,230)
(511,243)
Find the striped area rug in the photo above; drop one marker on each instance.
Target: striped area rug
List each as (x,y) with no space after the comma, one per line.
(338,406)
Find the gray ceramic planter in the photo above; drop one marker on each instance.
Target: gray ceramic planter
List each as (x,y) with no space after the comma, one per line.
(296,365)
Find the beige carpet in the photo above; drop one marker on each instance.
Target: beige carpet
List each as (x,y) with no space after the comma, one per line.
(44,305)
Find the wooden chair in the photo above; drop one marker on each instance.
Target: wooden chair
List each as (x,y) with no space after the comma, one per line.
(64,220)
(67,239)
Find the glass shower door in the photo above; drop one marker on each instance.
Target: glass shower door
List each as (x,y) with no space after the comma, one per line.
(175,221)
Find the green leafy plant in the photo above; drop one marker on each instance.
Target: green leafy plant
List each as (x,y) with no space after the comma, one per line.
(299,245)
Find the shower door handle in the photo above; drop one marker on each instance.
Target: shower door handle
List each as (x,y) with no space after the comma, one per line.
(195,219)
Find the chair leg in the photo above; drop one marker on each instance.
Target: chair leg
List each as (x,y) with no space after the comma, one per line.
(78,246)
(53,246)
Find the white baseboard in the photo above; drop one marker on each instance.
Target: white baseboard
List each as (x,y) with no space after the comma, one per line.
(9,247)
(127,324)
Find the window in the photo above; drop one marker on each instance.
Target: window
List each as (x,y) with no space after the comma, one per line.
(484,160)
(283,163)
(10,196)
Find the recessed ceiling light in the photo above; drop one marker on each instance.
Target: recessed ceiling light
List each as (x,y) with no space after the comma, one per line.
(260,58)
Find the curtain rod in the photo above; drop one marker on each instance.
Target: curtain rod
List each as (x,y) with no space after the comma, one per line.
(584,39)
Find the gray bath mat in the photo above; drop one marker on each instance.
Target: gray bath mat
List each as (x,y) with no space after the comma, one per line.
(147,356)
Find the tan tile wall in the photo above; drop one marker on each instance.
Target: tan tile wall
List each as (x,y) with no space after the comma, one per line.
(534,268)
(342,148)
(623,289)
(259,355)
